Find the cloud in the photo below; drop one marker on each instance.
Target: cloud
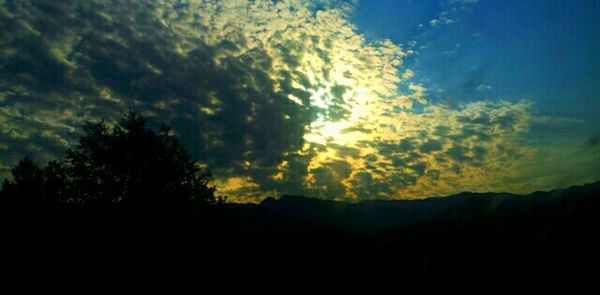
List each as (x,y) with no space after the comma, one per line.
(449,15)
(482,87)
(443,18)
(275,96)
(463,1)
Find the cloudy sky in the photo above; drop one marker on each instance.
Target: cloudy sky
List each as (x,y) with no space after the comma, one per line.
(345,100)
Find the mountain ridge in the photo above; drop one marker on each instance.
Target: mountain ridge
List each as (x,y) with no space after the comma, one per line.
(381,215)
(287,197)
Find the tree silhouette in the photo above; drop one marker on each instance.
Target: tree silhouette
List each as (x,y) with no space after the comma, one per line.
(28,180)
(128,164)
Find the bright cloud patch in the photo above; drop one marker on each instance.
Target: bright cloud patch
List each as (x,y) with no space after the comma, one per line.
(276,97)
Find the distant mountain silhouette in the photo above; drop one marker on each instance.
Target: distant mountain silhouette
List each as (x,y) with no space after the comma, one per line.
(391,214)
(484,236)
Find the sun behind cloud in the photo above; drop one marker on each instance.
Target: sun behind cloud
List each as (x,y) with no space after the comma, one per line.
(275,96)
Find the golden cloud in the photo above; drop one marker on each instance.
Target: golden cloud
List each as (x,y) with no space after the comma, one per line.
(276,96)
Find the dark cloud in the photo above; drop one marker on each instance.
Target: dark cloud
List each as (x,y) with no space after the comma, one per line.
(134,57)
(276,97)
(344,152)
(327,179)
(430,146)
(371,158)
(458,153)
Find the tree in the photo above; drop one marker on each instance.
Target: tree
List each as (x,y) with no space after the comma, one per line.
(128,164)
(27,184)
(131,163)
(56,187)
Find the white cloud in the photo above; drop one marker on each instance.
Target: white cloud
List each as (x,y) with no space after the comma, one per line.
(463,1)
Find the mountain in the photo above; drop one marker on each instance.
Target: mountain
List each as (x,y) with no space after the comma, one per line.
(386,215)
(479,236)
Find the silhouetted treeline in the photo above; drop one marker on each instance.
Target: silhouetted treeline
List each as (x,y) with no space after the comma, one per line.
(128,168)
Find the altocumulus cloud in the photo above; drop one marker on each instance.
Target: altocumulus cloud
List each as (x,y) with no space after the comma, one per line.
(275,96)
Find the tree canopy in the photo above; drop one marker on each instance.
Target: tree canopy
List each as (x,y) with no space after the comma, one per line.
(128,163)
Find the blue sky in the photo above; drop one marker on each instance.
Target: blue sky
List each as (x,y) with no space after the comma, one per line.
(546,51)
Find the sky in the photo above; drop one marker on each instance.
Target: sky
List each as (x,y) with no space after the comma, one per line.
(335,99)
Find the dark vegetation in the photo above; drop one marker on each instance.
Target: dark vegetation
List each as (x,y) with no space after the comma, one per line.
(128,191)
(128,170)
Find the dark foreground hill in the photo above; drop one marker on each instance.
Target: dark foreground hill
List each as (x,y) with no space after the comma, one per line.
(486,236)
